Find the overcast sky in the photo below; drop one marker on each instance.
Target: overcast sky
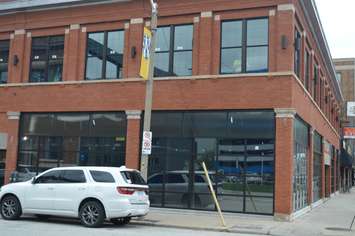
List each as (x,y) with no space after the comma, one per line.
(338,20)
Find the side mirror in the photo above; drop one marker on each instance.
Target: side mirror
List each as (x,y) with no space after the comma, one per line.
(33,180)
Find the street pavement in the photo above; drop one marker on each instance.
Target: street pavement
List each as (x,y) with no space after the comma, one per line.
(64,227)
(332,218)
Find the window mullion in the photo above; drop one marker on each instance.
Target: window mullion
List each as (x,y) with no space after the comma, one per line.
(104,52)
(171,50)
(244,46)
(46,76)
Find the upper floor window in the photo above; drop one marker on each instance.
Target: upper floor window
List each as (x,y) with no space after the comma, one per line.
(104,56)
(339,78)
(297,66)
(307,69)
(47,59)
(4,58)
(315,82)
(244,46)
(174,51)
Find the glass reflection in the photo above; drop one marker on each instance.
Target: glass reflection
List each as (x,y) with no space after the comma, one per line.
(69,139)
(238,155)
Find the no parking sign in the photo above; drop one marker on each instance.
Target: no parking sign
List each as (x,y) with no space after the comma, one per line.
(147,143)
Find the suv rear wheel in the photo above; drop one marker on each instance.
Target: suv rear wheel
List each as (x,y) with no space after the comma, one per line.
(92,214)
(121,221)
(10,208)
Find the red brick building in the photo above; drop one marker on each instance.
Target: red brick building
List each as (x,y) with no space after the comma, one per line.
(246,86)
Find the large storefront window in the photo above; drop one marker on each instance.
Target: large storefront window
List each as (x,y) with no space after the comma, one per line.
(317,167)
(237,147)
(69,139)
(2,166)
(300,165)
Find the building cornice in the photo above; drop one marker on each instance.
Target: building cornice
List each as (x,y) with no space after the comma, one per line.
(12,7)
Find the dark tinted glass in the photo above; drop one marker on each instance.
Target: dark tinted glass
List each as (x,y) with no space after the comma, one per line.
(133,177)
(175,179)
(67,139)
(47,59)
(157,179)
(102,176)
(257,32)
(232,34)
(50,177)
(4,57)
(73,176)
(183,37)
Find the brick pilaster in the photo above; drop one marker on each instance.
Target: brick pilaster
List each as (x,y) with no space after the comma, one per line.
(17,50)
(135,39)
(284,163)
(205,43)
(12,143)
(285,29)
(133,139)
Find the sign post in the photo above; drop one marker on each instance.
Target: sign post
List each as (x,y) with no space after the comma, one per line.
(147,70)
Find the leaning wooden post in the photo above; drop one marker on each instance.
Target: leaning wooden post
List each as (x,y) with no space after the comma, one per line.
(214,195)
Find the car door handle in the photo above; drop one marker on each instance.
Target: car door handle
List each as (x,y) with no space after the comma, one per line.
(81,189)
(50,188)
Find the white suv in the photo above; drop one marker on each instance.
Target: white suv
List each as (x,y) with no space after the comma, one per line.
(91,193)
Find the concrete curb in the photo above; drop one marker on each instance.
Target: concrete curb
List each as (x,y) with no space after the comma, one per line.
(215,229)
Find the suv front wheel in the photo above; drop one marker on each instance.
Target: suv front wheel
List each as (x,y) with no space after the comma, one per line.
(92,214)
(10,208)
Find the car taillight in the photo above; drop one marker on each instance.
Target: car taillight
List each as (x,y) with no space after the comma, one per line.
(126,191)
(130,191)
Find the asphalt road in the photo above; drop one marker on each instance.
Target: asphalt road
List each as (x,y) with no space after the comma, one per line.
(68,227)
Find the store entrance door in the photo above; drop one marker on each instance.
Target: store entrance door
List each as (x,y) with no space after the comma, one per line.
(2,166)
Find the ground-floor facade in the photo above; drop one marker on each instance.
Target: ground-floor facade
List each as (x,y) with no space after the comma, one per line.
(266,153)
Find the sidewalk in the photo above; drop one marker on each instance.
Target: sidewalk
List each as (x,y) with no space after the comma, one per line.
(336,213)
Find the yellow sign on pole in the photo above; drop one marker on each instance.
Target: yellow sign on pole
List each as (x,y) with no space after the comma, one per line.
(145,61)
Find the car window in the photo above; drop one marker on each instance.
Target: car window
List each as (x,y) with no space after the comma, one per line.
(199,179)
(102,176)
(73,176)
(175,179)
(158,179)
(133,177)
(49,177)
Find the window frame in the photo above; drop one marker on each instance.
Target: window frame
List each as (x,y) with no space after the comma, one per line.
(104,58)
(47,59)
(244,46)
(171,52)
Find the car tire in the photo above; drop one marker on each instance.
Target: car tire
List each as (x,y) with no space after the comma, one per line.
(10,208)
(92,214)
(121,221)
